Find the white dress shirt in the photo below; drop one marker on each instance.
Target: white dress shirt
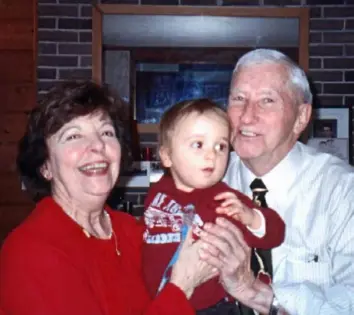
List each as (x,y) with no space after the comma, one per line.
(314,194)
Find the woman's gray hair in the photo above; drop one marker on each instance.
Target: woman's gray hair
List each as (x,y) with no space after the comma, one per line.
(298,81)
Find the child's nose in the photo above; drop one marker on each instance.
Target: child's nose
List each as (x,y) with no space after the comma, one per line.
(210,154)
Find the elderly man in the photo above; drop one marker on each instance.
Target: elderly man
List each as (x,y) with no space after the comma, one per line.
(313,270)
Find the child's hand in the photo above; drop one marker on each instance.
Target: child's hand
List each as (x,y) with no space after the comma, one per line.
(231,206)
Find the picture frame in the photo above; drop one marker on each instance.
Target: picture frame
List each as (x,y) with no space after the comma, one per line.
(330,123)
(330,131)
(336,146)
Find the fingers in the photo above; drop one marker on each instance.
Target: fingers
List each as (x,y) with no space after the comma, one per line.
(232,202)
(224,195)
(210,259)
(229,211)
(188,242)
(228,197)
(217,244)
(224,236)
(229,228)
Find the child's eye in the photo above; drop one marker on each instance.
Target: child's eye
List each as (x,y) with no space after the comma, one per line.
(220,147)
(197,145)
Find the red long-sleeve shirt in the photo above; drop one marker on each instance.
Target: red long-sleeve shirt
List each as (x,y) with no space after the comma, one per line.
(48,266)
(164,206)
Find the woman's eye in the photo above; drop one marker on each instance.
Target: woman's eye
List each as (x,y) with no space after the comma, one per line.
(109,133)
(73,137)
(197,145)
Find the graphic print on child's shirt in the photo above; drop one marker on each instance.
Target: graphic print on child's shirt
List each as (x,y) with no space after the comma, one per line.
(164,218)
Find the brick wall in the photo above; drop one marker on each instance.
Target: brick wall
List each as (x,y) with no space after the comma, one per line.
(65,45)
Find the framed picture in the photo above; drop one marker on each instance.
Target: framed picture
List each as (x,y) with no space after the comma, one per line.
(330,123)
(335,146)
(330,132)
(159,86)
(325,128)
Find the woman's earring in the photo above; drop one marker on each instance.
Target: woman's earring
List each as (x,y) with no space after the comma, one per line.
(46,175)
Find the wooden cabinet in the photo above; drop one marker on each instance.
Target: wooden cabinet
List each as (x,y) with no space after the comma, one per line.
(18,42)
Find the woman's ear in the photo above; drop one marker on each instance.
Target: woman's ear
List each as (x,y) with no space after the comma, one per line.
(45,171)
(165,158)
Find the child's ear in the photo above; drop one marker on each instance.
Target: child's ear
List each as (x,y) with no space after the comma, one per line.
(165,157)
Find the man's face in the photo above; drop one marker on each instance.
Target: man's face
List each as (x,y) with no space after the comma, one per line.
(264,114)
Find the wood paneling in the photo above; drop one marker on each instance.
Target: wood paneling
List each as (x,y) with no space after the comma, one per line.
(18,88)
(12,126)
(16,66)
(11,192)
(16,34)
(17,97)
(11,216)
(8,153)
(17,9)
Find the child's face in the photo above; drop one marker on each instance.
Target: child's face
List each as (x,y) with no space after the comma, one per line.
(198,151)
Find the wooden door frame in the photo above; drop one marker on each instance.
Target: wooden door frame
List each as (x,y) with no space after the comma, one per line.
(302,13)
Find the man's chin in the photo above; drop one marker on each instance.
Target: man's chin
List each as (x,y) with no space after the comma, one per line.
(247,153)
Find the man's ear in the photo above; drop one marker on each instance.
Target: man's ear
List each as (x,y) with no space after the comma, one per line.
(45,171)
(165,158)
(303,118)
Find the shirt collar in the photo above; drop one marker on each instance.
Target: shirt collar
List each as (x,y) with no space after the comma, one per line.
(282,175)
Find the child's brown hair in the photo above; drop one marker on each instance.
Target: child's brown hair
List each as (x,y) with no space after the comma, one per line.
(177,112)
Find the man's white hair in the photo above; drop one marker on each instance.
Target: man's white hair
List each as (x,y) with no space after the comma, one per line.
(298,82)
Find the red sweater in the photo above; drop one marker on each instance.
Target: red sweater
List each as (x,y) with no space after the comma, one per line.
(48,266)
(163,218)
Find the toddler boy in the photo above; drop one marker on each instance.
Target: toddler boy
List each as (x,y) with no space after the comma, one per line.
(194,150)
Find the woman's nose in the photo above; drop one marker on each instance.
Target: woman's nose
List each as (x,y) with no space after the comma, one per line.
(97,143)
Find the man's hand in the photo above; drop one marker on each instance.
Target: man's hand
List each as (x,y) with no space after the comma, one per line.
(225,248)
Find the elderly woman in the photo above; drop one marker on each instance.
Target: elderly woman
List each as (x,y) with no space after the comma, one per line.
(73,254)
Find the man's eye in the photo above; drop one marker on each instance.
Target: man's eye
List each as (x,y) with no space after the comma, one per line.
(197,145)
(267,100)
(237,98)
(220,147)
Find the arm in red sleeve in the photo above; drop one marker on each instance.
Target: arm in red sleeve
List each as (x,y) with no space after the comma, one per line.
(50,285)
(37,278)
(171,300)
(274,227)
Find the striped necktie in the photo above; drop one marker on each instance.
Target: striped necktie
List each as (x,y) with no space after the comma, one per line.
(261,260)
